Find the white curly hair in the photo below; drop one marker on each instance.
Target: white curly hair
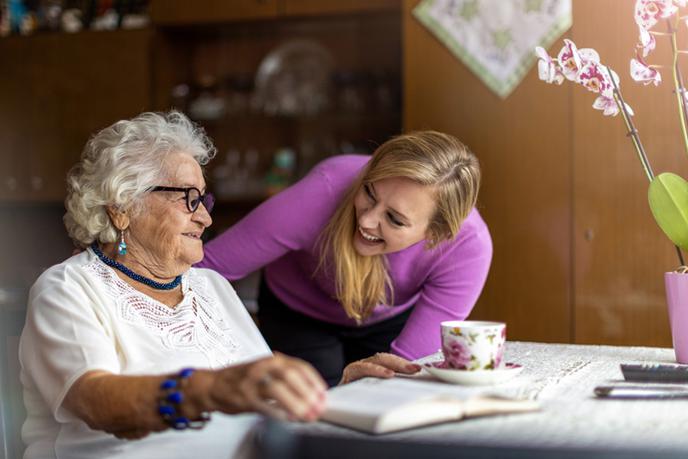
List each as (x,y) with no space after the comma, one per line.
(120,164)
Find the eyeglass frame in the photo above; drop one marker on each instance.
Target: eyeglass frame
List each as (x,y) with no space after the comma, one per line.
(186,190)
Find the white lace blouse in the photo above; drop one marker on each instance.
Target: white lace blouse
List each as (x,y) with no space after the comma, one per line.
(83,317)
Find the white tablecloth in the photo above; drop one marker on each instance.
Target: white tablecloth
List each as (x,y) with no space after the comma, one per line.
(562,378)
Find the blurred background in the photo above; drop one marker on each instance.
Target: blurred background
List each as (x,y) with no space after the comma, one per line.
(281,84)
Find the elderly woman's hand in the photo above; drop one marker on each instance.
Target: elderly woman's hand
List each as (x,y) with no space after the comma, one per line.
(278,386)
(381,365)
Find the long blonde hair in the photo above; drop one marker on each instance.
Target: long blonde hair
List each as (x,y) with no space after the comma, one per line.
(429,158)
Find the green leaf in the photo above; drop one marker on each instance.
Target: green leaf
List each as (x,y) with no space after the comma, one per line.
(668,196)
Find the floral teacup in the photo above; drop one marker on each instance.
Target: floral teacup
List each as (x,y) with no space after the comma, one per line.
(473,345)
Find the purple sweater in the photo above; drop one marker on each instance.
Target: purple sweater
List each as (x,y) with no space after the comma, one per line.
(280,235)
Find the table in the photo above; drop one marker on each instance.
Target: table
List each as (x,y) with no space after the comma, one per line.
(562,378)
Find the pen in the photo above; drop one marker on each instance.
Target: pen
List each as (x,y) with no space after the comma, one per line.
(641,392)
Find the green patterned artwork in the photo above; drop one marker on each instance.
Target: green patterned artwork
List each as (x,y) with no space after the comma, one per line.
(533,6)
(502,38)
(469,10)
(496,38)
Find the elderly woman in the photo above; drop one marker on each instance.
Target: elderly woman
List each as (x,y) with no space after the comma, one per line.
(126,340)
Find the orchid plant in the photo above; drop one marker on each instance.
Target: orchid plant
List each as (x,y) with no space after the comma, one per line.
(668,193)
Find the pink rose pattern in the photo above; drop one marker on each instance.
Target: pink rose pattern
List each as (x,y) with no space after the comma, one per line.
(457,353)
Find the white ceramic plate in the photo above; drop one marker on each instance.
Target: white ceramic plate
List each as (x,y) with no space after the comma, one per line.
(472,378)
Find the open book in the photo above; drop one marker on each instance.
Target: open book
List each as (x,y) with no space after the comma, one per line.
(386,405)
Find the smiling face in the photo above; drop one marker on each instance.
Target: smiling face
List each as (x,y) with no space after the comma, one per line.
(165,238)
(392,214)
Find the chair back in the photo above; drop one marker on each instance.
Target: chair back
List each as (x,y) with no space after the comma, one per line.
(12,412)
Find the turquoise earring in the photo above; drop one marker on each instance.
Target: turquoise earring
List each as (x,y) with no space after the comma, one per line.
(122,246)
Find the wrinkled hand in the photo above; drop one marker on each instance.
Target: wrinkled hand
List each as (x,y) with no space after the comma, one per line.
(381,365)
(131,434)
(278,386)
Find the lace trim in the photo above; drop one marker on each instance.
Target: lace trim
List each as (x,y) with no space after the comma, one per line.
(195,323)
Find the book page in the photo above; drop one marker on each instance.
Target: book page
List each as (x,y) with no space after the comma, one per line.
(382,405)
(375,396)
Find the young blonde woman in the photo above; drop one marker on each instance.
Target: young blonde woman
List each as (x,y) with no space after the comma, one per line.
(365,254)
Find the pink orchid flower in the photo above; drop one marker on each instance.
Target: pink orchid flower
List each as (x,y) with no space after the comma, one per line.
(572,60)
(647,42)
(609,107)
(569,60)
(588,55)
(594,77)
(643,73)
(649,12)
(583,66)
(548,70)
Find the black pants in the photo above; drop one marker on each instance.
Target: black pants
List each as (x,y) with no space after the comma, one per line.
(328,347)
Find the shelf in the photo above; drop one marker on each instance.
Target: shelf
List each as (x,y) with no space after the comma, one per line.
(320,7)
(186,13)
(329,118)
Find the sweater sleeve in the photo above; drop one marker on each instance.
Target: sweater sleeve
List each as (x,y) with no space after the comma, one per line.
(288,221)
(449,293)
(63,338)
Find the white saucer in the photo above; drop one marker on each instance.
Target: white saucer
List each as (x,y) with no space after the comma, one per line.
(472,378)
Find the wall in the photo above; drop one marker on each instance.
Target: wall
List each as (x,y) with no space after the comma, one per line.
(578,256)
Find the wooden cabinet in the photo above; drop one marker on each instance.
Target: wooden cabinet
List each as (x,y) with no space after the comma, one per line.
(184,12)
(57,90)
(320,7)
(355,70)
(578,256)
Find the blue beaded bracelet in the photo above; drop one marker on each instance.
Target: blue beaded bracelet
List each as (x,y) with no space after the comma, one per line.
(171,399)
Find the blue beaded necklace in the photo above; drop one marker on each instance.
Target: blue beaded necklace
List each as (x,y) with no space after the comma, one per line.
(131,274)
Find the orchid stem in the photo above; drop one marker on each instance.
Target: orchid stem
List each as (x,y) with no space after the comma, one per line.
(632,131)
(679,88)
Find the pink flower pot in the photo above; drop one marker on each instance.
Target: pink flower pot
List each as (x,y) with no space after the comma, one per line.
(677,299)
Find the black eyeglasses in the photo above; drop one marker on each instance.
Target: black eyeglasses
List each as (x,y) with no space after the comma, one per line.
(193,196)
